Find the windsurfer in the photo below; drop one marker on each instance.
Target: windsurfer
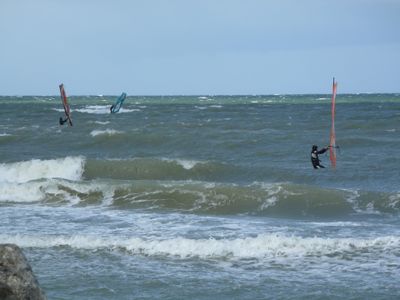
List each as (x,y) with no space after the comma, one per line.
(314,156)
(63,121)
(112,108)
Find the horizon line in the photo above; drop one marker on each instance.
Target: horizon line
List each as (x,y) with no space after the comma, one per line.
(201,95)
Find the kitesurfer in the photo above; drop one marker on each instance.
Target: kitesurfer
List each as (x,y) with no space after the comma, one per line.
(314,156)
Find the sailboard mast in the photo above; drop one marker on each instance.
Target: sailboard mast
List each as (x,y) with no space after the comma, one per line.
(332,141)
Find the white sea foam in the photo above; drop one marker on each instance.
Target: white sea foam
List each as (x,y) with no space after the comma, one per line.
(337,224)
(4,134)
(260,247)
(17,192)
(353,198)
(102,123)
(69,191)
(105,132)
(271,198)
(126,110)
(95,109)
(204,99)
(102,109)
(186,164)
(394,200)
(70,168)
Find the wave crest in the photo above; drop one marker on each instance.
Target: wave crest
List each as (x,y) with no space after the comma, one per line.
(259,247)
(70,168)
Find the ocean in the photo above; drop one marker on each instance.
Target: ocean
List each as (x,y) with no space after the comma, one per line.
(204,197)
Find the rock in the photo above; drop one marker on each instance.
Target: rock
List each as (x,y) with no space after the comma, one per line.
(17,281)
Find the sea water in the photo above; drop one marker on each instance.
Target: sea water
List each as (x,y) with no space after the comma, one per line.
(204,197)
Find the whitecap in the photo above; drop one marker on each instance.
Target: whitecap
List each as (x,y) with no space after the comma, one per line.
(102,109)
(97,132)
(265,246)
(70,168)
(186,164)
(101,122)
(95,109)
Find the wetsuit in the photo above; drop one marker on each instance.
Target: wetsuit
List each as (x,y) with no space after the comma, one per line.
(63,121)
(66,119)
(314,157)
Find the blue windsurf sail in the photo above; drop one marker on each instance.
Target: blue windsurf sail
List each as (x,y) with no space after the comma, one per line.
(117,106)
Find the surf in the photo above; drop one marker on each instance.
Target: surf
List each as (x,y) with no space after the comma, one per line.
(70,168)
(263,246)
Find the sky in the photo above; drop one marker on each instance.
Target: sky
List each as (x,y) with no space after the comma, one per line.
(193,47)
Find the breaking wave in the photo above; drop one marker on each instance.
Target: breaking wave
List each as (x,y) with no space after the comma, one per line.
(179,185)
(263,246)
(156,169)
(70,168)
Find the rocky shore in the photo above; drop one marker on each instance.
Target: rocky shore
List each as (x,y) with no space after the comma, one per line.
(17,281)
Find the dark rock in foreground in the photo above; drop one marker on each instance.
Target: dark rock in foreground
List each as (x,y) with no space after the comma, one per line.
(17,281)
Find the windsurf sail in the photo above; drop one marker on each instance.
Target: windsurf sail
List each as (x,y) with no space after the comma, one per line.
(118,104)
(332,142)
(64,100)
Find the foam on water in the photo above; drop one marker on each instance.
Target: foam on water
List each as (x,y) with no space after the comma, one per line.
(71,192)
(186,164)
(95,109)
(16,192)
(70,168)
(102,109)
(261,199)
(260,247)
(108,131)
(102,122)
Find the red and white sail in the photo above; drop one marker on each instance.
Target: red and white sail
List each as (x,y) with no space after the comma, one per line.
(332,141)
(65,104)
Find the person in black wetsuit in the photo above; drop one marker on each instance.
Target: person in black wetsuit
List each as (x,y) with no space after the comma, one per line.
(63,121)
(314,156)
(111,108)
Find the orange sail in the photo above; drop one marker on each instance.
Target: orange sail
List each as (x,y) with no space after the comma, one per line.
(332,142)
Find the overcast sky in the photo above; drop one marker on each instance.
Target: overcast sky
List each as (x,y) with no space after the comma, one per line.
(190,47)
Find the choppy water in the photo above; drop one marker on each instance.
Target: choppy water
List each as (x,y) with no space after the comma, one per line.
(203,197)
